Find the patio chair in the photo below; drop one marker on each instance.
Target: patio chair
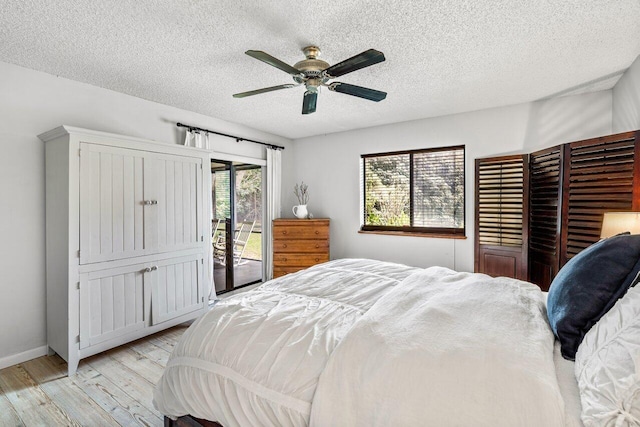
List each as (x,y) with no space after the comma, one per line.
(215,227)
(242,234)
(240,242)
(217,239)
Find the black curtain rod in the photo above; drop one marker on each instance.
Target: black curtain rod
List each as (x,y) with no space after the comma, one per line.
(237,138)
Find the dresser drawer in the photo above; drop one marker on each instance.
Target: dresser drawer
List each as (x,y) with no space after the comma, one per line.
(300,232)
(301,260)
(281,271)
(299,245)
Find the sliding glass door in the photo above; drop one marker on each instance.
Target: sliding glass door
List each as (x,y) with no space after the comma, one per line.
(236,231)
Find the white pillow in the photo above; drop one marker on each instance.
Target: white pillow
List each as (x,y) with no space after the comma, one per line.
(608,366)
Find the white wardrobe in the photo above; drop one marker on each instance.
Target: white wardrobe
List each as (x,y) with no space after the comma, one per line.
(127,239)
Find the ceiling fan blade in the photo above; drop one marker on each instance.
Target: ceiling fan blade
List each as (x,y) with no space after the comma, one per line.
(263,90)
(275,62)
(309,102)
(362,60)
(359,91)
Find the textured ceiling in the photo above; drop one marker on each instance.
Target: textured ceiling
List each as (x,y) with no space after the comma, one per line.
(443,57)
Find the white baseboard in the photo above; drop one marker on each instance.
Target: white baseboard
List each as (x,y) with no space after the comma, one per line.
(14,359)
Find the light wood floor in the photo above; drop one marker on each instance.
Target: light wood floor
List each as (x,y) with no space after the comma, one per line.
(110,389)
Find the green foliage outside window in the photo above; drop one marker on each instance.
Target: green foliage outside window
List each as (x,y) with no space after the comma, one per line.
(249,195)
(387,191)
(416,190)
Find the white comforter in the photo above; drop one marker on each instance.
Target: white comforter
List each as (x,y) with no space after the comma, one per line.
(256,357)
(357,342)
(445,349)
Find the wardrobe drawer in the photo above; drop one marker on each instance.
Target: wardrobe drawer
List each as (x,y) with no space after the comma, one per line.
(298,245)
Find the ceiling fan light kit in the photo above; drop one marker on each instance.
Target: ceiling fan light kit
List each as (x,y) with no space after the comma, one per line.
(314,73)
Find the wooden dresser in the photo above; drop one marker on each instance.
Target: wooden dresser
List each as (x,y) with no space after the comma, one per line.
(298,244)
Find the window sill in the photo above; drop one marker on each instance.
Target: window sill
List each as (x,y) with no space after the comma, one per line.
(415,234)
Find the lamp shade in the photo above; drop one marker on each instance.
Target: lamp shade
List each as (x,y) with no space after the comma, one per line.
(620,222)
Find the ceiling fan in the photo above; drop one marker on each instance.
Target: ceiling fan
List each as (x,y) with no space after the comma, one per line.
(314,73)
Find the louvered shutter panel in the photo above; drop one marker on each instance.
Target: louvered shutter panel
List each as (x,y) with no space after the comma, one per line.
(501,205)
(601,173)
(570,187)
(545,183)
(500,200)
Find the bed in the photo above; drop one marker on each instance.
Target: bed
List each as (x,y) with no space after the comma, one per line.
(358,342)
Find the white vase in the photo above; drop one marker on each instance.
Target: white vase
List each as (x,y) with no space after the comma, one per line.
(300,211)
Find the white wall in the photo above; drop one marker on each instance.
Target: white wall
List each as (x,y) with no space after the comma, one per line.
(330,165)
(626,100)
(31,103)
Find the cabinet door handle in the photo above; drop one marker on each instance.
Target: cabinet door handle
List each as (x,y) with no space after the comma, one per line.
(150,202)
(150,269)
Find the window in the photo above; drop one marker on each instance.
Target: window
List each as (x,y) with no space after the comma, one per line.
(419,191)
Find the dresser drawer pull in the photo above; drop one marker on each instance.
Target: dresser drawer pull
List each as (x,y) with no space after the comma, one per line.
(317,259)
(284,245)
(317,232)
(317,246)
(284,231)
(284,259)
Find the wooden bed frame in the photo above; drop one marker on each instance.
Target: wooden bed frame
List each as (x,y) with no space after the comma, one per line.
(189,421)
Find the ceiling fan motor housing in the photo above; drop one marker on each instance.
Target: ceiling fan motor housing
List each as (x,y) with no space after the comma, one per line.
(311,69)
(311,65)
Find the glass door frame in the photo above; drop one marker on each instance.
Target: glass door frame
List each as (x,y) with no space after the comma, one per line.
(228,160)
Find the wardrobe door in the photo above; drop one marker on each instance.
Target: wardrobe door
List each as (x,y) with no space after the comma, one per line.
(501,212)
(111,203)
(545,195)
(113,303)
(173,202)
(176,287)
(603,176)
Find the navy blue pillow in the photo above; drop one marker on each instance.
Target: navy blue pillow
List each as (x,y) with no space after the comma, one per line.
(588,286)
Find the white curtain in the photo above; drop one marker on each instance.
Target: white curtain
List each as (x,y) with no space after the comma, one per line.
(196,139)
(200,139)
(272,208)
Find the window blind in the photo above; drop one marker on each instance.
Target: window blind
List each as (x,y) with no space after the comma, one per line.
(438,189)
